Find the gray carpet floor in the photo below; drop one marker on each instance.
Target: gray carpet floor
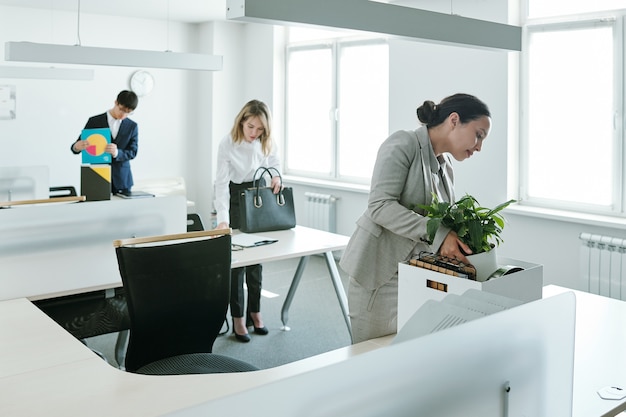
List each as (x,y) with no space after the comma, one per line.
(315,319)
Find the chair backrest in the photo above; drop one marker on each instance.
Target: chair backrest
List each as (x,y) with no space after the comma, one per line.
(177,293)
(194,223)
(63,191)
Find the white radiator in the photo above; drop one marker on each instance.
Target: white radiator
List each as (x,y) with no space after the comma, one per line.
(320,211)
(603,265)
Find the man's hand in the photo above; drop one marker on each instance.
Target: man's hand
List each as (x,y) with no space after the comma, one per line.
(80,145)
(112,149)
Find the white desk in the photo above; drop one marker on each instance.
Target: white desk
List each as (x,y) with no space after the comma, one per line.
(293,243)
(54,250)
(45,371)
(600,352)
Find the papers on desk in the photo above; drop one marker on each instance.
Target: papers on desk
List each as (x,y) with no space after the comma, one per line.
(247,240)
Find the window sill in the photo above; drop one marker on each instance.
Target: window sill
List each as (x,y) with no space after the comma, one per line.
(333,185)
(568,216)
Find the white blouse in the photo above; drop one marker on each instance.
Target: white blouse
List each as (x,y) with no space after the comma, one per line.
(237,162)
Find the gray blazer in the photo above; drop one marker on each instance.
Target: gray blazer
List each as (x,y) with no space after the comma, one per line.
(389,231)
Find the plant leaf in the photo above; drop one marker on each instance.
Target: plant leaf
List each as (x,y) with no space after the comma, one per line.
(431,228)
(475,225)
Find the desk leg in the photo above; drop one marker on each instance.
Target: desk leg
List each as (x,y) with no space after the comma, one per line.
(339,290)
(284,314)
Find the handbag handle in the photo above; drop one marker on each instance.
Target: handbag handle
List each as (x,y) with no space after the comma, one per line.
(256,183)
(263,170)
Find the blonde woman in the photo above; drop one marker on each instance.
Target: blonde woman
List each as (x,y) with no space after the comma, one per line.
(248,146)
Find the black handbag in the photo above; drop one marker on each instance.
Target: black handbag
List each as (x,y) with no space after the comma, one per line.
(260,210)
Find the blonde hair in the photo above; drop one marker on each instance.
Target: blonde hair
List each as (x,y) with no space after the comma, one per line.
(254,108)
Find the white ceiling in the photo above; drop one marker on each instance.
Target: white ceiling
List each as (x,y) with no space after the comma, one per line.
(191,11)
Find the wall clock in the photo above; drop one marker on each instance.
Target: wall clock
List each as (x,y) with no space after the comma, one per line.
(141,82)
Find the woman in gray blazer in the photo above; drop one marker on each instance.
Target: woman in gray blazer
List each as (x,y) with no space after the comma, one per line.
(410,167)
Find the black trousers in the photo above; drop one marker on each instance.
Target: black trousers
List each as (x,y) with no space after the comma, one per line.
(252,274)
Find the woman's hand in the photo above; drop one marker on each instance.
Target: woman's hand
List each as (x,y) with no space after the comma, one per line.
(453,248)
(222,225)
(276,184)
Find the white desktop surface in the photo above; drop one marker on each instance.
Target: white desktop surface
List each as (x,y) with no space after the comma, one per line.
(63,251)
(299,242)
(45,371)
(600,353)
(37,263)
(292,243)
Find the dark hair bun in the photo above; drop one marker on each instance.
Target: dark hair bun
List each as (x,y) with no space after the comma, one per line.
(426,112)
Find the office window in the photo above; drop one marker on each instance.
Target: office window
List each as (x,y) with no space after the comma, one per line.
(336,107)
(548,8)
(571,153)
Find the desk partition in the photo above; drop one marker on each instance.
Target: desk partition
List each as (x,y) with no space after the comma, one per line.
(24,183)
(55,249)
(519,362)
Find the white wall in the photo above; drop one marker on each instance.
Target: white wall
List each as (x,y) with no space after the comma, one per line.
(420,71)
(554,244)
(51,113)
(188,112)
(180,122)
(247,74)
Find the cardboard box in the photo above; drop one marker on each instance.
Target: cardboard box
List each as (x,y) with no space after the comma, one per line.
(416,285)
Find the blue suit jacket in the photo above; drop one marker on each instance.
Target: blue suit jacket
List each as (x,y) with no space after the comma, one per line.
(127,145)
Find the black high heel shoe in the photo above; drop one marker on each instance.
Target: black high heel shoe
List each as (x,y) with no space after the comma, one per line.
(261,330)
(243,338)
(257,330)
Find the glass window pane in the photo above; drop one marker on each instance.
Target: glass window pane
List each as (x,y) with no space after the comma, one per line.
(363,107)
(546,8)
(309,104)
(570,116)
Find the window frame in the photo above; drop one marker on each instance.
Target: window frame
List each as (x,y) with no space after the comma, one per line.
(335,45)
(573,22)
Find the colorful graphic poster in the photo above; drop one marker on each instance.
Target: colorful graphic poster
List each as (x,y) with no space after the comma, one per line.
(98,140)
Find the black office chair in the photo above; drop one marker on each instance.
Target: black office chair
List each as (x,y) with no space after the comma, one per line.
(92,314)
(194,223)
(177,296)
(63,191)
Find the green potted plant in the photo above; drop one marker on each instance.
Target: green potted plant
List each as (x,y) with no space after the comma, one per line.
(478,227)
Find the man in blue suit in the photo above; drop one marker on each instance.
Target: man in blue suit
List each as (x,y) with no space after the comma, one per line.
(124,139)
